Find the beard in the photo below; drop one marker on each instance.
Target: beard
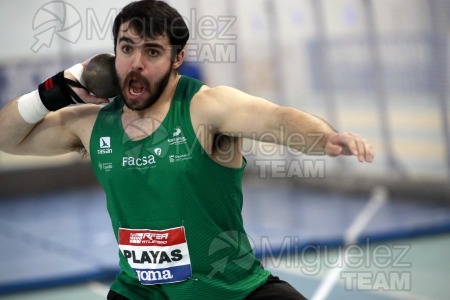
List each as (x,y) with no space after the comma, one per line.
(155,89)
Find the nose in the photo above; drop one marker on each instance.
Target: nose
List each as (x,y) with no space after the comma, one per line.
(137,61)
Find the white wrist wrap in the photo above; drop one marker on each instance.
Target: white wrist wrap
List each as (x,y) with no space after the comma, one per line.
(77,72)
(31,107)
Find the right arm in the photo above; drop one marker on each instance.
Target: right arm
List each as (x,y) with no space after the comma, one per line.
(58,132)
(14,129)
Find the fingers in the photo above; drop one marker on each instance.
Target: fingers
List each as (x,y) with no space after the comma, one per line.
(364,150)
(95,100)
(359,147)
(75,73)
(351,141)
(85,63)
(89,98)
(350,144)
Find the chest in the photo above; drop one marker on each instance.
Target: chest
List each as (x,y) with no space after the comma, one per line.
(146,149)
(141,128)
(137,127)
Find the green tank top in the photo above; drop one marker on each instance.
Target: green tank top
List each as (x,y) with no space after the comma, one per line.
(175,212)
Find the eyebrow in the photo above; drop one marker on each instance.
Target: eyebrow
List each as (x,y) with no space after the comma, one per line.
(147,45)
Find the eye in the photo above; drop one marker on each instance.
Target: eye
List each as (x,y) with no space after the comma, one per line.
(153,52)
(126,48)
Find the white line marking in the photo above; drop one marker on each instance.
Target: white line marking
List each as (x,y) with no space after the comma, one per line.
(378,198)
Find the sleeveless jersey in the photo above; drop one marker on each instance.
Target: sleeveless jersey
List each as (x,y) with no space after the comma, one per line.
(175,212)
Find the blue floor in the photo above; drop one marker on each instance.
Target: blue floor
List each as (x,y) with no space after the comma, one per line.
(66,238)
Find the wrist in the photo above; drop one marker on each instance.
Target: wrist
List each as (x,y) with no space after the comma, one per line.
(77,72)
(56,92)
(31,107)
(51,95)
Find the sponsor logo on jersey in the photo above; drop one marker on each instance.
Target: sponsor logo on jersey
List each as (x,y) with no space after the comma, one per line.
(157,256)
(179,157)
(105,166)
(177,137)
(158,151)
(105,146)
(144,161)
(149,238)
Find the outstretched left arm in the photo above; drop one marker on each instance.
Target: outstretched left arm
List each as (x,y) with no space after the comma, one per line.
(235,113)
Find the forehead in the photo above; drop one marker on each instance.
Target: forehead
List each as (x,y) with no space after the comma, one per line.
(138,37)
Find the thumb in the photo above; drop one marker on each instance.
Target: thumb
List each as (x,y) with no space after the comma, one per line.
(333,149)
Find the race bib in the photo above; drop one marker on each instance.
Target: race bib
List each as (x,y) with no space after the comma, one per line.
(157,256)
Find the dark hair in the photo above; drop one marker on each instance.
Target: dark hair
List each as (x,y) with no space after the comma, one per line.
(151,19)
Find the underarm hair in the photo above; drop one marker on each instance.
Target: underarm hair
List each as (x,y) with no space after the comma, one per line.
(222,140)
(77,146)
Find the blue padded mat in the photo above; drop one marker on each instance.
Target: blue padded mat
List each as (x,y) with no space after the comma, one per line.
(54,239)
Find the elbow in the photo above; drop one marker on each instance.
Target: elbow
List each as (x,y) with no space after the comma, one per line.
(302,131)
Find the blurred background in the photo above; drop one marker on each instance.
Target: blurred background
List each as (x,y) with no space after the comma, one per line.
(378,68)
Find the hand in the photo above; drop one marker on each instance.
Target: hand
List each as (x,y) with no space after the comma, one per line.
(75,74)
(347,143)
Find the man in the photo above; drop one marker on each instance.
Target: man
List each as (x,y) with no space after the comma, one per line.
(167,152)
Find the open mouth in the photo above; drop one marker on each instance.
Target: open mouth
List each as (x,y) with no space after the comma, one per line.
(136,87)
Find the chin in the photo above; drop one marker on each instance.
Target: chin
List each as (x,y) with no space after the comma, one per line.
(139,104)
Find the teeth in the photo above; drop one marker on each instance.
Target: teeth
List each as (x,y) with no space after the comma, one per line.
(134,92)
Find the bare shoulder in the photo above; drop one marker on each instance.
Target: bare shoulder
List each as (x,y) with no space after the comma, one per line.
(226,101)
(228,109)
(218,93)
(79,115)
(226,96)
(214,99)
(206,104)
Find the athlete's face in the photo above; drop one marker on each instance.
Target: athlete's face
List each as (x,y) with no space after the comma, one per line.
(143,67)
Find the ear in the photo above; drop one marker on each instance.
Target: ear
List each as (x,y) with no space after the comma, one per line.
(178,61)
